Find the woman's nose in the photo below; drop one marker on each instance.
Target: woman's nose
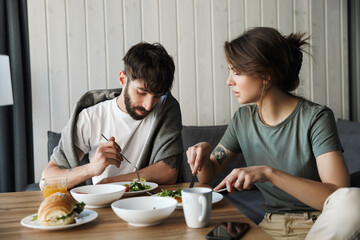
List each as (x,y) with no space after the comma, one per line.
(230,81)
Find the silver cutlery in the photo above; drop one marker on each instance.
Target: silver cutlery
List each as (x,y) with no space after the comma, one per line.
(122,155)
(221,190)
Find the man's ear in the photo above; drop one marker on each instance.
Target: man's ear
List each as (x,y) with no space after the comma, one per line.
(122,78)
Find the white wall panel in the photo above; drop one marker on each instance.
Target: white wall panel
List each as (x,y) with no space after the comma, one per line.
(168,36)
(285,16)
(96,44)
(186,58)
(333,45)
(58,71)
(150,20)
(78,45)
(301,24)
(204,74)
(40,82)
(344,48)
(236,26)
(269,13)
(132,22)
(115,41)
(77,50)
(319,81)
(253,13)
(222,112)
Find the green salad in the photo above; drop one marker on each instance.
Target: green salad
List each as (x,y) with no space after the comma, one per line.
(171,193)
(138,186)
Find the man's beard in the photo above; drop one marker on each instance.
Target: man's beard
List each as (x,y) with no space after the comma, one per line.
(131,109)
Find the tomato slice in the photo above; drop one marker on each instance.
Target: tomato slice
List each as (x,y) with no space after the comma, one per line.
(127,187)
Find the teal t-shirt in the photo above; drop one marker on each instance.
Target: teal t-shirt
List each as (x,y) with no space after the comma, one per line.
(291,146)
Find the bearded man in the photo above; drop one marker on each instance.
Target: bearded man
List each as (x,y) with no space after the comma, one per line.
(142,121)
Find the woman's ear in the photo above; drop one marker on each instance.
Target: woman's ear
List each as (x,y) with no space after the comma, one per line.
(267,82)
(122,78)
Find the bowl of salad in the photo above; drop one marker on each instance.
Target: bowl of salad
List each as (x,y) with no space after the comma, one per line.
(137,187)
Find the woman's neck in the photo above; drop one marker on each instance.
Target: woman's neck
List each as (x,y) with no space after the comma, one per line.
(276,106)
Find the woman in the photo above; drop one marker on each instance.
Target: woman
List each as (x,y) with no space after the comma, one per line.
(290,144)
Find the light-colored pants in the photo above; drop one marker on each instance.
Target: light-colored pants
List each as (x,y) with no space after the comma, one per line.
(340,219)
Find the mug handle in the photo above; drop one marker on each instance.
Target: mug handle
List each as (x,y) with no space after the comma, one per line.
(203,203)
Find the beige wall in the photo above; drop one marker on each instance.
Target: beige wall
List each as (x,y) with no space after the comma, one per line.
(77,45)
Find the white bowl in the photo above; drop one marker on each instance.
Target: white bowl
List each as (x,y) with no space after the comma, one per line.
(144,211)
(97,196)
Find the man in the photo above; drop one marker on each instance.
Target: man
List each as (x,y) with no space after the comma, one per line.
(142,121)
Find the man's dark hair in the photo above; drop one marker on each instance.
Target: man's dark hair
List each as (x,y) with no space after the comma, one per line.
(151,65)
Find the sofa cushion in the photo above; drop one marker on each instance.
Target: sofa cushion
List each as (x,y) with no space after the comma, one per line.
(349,134)
(53,141)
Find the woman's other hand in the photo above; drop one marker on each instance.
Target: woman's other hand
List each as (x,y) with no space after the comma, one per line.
(244,178)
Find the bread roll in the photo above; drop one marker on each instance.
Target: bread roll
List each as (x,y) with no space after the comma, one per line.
(54,210)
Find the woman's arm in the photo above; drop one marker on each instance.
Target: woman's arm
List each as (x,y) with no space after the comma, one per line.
(206,165)
(332,171)
(333,174)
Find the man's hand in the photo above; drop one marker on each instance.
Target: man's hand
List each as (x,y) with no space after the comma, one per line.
(106,154)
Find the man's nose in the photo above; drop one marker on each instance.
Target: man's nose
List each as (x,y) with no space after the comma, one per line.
(148,102)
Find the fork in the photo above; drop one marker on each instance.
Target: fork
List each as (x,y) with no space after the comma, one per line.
(122,155)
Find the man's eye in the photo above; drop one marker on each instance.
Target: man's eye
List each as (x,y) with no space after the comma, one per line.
(142,93)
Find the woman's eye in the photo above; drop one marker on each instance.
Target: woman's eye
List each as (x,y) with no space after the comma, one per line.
(141,93)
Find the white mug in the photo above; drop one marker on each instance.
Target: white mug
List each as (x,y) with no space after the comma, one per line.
(197,204)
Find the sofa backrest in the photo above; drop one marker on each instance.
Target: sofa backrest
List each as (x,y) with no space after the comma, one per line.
(349,134)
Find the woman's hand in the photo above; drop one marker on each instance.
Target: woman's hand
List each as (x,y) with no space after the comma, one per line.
(244,178)
(106,154)
(197,155)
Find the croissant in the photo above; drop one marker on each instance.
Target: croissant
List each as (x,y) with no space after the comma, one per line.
(57,210)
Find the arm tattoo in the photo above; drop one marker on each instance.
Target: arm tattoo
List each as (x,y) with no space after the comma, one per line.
(172,162)
(220,154)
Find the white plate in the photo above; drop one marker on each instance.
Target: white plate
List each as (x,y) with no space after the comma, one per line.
(84,217)
(127,194)
(216,197)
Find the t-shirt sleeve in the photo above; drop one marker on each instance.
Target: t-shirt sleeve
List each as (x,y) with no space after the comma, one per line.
(82,132)
(230,140)
(324,136)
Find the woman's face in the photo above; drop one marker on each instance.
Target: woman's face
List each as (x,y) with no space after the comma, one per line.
(247,89)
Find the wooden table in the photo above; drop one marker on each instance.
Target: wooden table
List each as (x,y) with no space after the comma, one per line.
(17,205)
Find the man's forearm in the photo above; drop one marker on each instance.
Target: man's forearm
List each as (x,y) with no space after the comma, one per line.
(159,172)
(75,176)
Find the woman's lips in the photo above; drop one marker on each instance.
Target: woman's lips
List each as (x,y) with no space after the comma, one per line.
(237,94)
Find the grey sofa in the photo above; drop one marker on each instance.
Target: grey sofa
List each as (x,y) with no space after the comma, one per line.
(249,202)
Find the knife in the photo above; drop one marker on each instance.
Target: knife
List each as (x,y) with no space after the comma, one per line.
(193,178)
